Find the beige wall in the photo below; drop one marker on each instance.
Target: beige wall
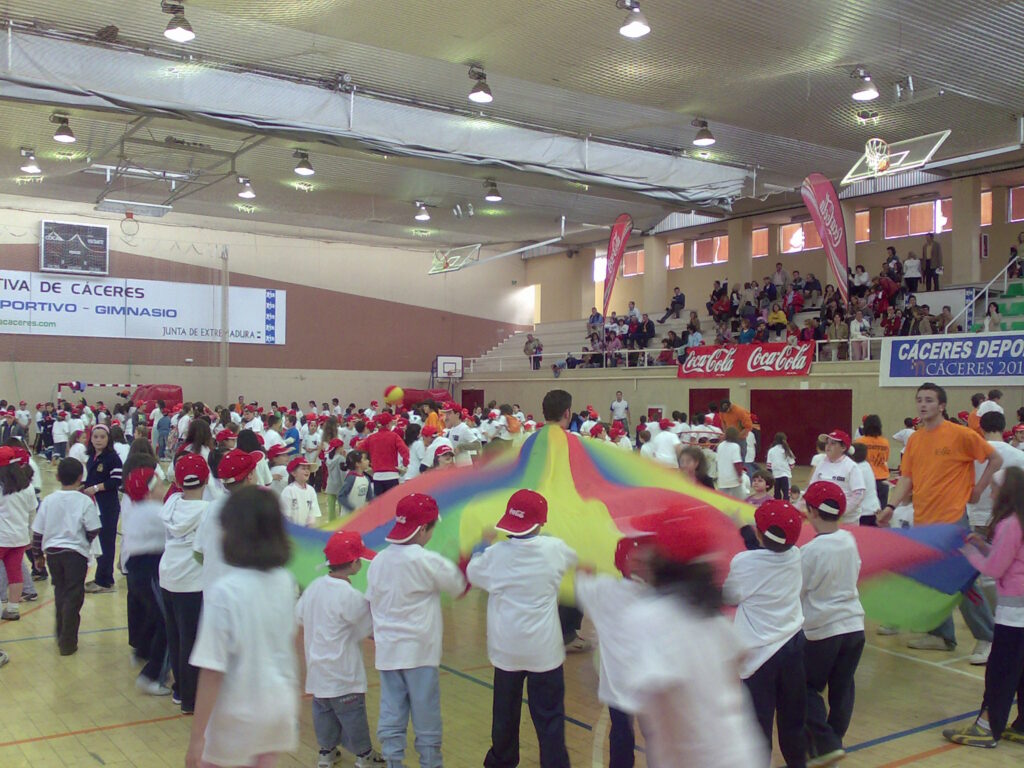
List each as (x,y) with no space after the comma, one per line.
(564,285)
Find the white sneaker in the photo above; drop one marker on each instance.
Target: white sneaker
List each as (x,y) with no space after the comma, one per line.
(328,759)
(979,657)
(370,760)
(151,687)
(579,645)
(929,643)
(885,629)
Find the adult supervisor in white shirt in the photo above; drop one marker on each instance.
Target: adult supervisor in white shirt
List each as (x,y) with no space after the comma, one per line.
(620,410)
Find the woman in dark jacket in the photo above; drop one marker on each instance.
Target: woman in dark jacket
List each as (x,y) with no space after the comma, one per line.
(102,482)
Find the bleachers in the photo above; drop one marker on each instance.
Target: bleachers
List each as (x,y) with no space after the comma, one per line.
(1011,308)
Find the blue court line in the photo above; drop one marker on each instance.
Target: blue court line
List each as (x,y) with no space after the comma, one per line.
(911,731)
(50,637)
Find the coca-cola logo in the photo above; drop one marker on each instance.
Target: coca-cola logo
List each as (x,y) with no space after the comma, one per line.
(779,360)
(828,217)
(714,360)
(748,360)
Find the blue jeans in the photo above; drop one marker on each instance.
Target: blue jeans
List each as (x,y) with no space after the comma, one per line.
(342,720)
(415,692)
(978,617)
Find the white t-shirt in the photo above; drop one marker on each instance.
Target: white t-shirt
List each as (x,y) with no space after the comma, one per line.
(665,446)
(179,569)
(462,434)
(183,421)
(300,504)
(696,714)
(902,436)
(624,443)
(417,451)
(647,450)
(843,473)
(619,409)
(604,600)
(430,450)
(912,267)
(869,502)
(831,603)
(75,424)
(142,529)
(61,431)
(15,514)
(728,456)
(981,513)
(247,631)
(765,587)
(779,462)
(521,577)
(816,460)
(404,584)
(989,406)
(335,618)
(271,438)
(79,451)
(209,542)
(23,417)
(63,519)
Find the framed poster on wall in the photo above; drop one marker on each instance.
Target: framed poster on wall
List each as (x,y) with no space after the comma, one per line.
(82,249)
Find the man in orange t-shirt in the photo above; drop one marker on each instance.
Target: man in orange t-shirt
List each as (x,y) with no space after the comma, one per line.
(973,419)
(734,416)
(938,468)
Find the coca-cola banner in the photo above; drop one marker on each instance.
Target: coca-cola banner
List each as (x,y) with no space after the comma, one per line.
(823,203)
(740,361)
(621,231)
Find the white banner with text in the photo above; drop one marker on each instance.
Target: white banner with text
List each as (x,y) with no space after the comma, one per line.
(51,305)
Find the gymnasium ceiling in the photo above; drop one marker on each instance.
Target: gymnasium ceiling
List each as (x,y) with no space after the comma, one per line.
(772,79)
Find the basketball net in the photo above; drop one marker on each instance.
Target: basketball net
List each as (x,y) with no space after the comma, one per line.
(876,152)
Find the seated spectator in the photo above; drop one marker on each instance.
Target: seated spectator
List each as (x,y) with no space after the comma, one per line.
(612,347)
(792,334)
(723,333)
(812,288)
(920,322)
(761,332)
(892,322)
(595,322)
(860,331)
(793,302)
(838,333)
(749,293)
(721,309)
(893,265)
(695,338)
(716,293)
(861,281)
(646,332)
(676,306)
(667,354)
(944,319)
(746,331)
(807,332)
(769,293)
(611,323)
(749,311)
(674,341)
(777,319)
(993,320)
(632,311)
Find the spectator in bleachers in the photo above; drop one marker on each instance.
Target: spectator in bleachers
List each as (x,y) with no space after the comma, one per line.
(645,331)
(611,323)
(721,309)
(748,311)
(723,333)
(920,322)
(861,281)
(746,331)
(749,293)
(931,257)
(769,292)
(632,311)
(993,320)
(674,340)
(912,271)
(532,349)
(793,302)
(892,322)
(667,354)
(812,288)
(893,265)
(780,279)
(695,338)
(942,322)
(796,281)
(837,331)
(860,332)
(716,293)
(677,305)
(595,322)
(777,319)
(1014,270)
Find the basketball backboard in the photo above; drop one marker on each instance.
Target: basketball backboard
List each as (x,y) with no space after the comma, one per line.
(903,156)
(449,366)
(453,259)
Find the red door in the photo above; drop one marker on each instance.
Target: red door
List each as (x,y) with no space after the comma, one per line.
(471,398)
(802,414)
(700,398)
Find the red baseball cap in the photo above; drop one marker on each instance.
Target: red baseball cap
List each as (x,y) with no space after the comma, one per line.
(1018,428)
(683,534)
(963,415)
(596,430)
(624,552)
(779,521)
(334,444)
(411,513)
(21,455)
(373,403)
(525,512)
(237,465)
(444,450)
(298,461)
(8,456)
(277,450)
(665,424)
(191,470)
(840,437)
(140,482)
(346,547)
(428,430)
(22,402)
(384,418)
(449,407)
(225,435)
(826,497)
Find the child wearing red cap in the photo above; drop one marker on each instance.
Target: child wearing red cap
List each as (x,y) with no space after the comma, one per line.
(404,586)
(278,458)
(181,574)
(837,467)
(333,619)
(665,445)
(524,640)
(299,499)
(66,524)
(17,504)
(386,449)
(765,586)
(604,599)
(833,622)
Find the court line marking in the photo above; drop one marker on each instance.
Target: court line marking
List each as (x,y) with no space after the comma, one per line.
(935,664)
(600,730)
(911,731)
(50,637)
(94,729)
(920,756)
(30,611)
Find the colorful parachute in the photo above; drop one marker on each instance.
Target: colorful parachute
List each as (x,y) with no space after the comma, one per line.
(594,491)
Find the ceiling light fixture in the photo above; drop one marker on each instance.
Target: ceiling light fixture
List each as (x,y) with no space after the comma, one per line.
(246,192)
(63,134)
(865,116)
(492,195)
(29,164)
(635,24)
(422,214)
(481,93)
(704,137)
(304,167)
(866,90)
(178,28)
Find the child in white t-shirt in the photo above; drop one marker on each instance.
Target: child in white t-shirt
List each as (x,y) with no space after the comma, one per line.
(780,460)
(833,622)
(404,586)
(278,458)
(765,585)
(78,450)
(299,499)
(524,637)
(356,489)
(334,618)
(247,708)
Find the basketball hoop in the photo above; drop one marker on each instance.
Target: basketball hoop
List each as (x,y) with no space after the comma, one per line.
(876,153)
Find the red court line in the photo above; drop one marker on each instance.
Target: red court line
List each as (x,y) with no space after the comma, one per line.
(31,610)
(95,729)
(922,755)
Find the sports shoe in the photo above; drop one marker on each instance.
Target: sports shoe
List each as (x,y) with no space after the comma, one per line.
(1009,733)
(930,643)
(979,656)
(886,630)
(40,576)
(579,645)
(370,759)
(93,588)
(151,687)
(10,613)
(328,759)
(4,658)
(828,759)
(175,698)
(29,598)
(971,735)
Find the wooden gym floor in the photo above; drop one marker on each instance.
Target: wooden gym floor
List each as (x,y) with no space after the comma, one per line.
(83,711)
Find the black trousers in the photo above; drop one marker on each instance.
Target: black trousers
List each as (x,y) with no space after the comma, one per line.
(67,574)
(380,486)
(110,513)
(183,609)
(779,691)
(571,620)
(830,663)
(147,630)
(931,278)
(621,740)
(1004,677)
(912,283)
(781,487)
(546,692)
(882,488)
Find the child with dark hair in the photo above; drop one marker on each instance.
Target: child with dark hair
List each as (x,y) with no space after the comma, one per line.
(780,461)
(356,489)
(247,704)
(833,622)
(765,586)
(65,525)
(761,483)
(102,483)
(17,503)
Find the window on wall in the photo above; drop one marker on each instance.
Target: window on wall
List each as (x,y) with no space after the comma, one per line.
(711,250)
(676,256)
(600,268)
(862,226)
(919,218)
(1017,204)
(632,263)
(759,243)
(801,236)
(986,208)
